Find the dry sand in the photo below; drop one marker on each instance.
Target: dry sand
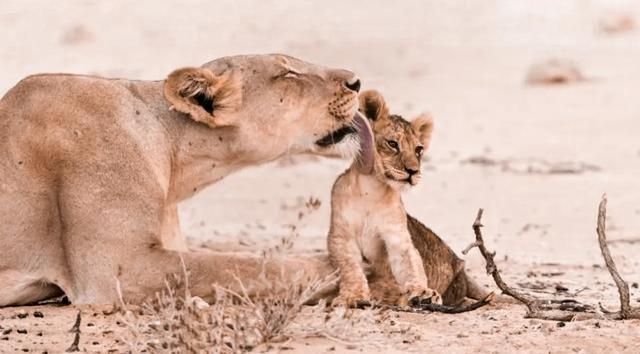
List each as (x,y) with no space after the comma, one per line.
(466,62)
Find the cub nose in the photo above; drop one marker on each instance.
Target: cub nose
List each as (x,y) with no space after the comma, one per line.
(353,84)
(411,171)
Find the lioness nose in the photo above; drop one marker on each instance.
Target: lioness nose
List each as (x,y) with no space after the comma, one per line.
(411,171)
(353,84)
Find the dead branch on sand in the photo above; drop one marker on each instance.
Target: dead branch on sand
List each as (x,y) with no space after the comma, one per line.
(568,309)
(76,339)
(428,307)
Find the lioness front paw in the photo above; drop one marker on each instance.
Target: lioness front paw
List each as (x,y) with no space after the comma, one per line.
(420,295)
(352,300)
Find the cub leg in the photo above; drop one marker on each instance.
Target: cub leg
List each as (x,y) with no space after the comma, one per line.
(407,267)
(345,255)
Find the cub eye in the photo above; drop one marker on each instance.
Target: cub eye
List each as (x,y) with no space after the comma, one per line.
(393,144)
(419,150)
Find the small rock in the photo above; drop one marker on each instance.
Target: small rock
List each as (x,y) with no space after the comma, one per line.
(554,72)
(561,324)
(22,314)
(38,314)
(76,35)
(22,331)
(616,23)
(7,331)
(198,303)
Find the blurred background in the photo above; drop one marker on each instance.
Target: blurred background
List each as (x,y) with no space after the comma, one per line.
(535,103)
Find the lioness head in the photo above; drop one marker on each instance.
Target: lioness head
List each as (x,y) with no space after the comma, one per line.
(282,104)
(399,144)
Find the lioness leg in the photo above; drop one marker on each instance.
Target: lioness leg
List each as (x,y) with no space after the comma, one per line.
(172,238)
(120,244)
(31,254)
(112,235)
(23,288)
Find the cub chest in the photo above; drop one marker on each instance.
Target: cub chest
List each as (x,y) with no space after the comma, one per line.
(365,226)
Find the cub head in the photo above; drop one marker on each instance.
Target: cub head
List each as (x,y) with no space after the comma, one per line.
(280,103)
(399,144)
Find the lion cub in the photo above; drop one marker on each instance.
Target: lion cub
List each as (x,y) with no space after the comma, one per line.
(368,219)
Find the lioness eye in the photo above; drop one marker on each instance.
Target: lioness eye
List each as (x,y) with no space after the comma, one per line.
(419,150)
(393,144)
(291,74)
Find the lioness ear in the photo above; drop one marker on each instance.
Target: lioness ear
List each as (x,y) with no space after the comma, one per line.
(422,125)
(203,95)
(373,106)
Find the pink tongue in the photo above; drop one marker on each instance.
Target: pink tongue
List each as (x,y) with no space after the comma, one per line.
(365,160)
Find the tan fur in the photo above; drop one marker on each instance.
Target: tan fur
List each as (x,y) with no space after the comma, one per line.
(183,85)
(442,266)
(368,219)
(92,169)
(362,203)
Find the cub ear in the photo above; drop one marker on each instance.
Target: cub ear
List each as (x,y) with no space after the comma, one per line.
(206,97)
(422,125)
(373,106)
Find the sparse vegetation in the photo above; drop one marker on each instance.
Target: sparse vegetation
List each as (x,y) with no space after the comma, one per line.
(174,321)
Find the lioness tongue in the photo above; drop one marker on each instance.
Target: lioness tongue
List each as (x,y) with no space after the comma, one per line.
(365,160)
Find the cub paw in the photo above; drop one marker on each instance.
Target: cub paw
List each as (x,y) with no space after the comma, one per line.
(418,296)
(359,301)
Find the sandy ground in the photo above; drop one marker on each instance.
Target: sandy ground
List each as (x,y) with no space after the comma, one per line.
(463,61)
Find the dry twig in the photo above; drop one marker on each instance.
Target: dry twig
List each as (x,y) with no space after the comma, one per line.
(567,309)
(76,339)
(623,287)
(421,308)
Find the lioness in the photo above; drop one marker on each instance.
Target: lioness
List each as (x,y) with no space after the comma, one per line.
(92,169)
(408,262)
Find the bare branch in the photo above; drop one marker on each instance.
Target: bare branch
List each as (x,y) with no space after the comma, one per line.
(440,308)
(492,269)
(76,339)
(562,310)
(470,247)
(623,287)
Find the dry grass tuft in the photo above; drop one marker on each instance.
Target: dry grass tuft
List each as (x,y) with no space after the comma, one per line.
(174,321)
